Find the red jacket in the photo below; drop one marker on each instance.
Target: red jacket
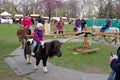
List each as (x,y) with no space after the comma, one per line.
(26,21)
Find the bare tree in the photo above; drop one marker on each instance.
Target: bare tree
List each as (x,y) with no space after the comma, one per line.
(49,5)
(8,6)
(72,8)
(117,11)
(27,6)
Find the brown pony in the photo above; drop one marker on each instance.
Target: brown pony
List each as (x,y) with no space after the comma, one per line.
(50,49)
(22,35)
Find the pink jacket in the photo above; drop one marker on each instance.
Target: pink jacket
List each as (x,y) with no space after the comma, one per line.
(55,29)
(38,35)
(60,24)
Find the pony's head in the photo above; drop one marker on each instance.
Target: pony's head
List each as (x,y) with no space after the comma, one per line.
(55,46)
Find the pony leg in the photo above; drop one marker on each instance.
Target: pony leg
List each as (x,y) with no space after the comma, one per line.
(37,63)
(22,43)
(45,70)
(22,46)
(28,59)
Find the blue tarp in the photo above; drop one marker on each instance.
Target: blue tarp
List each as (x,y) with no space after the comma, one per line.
(101,22)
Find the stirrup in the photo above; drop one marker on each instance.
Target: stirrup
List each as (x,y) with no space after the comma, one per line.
(32,53)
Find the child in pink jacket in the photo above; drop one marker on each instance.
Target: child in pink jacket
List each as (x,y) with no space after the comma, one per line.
(60,26)
(55,29)
(38,37)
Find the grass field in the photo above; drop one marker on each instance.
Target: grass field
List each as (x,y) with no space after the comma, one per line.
(94,63)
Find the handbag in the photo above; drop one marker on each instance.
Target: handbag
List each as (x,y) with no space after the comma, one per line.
(112,76)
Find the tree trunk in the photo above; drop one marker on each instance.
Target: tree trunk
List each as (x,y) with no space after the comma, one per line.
(49,14)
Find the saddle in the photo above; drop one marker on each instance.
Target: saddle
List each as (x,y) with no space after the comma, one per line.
(27,30)
(36,49)
(39,45)
(104,29)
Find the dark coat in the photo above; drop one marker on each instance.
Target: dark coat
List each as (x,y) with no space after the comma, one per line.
(115,65)
(78,23)
(108,23)
(83,22)
(40,20)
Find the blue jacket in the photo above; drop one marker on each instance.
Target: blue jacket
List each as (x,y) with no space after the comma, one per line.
(77,23)
(108,23)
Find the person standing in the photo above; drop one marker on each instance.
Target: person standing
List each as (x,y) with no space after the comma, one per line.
(74,26)
(55,28)
(40,19)
(78,26)
(26,22)
(60,26)
(83,22)
(78,22)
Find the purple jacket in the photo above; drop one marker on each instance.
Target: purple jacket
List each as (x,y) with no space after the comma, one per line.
(38,35)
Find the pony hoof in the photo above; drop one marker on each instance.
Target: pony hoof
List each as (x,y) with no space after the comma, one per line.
(36,68)
(29,63)
(45,69)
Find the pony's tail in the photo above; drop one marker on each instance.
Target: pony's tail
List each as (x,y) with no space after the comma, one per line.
(27,49)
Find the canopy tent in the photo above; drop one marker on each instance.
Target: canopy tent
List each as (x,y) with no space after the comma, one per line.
(18,15)
(5,13)
(5,17)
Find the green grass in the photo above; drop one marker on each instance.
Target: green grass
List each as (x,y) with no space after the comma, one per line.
(95,62)
(8,43)
(6,47)
(6,31)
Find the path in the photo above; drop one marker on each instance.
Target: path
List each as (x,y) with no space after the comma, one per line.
(18,64)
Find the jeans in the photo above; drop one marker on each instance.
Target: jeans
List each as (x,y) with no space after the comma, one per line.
(29,29)
(34,44)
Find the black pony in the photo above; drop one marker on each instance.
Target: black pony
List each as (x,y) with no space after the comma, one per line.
(50,49)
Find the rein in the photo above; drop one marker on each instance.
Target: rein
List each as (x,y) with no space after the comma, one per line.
(115,39)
